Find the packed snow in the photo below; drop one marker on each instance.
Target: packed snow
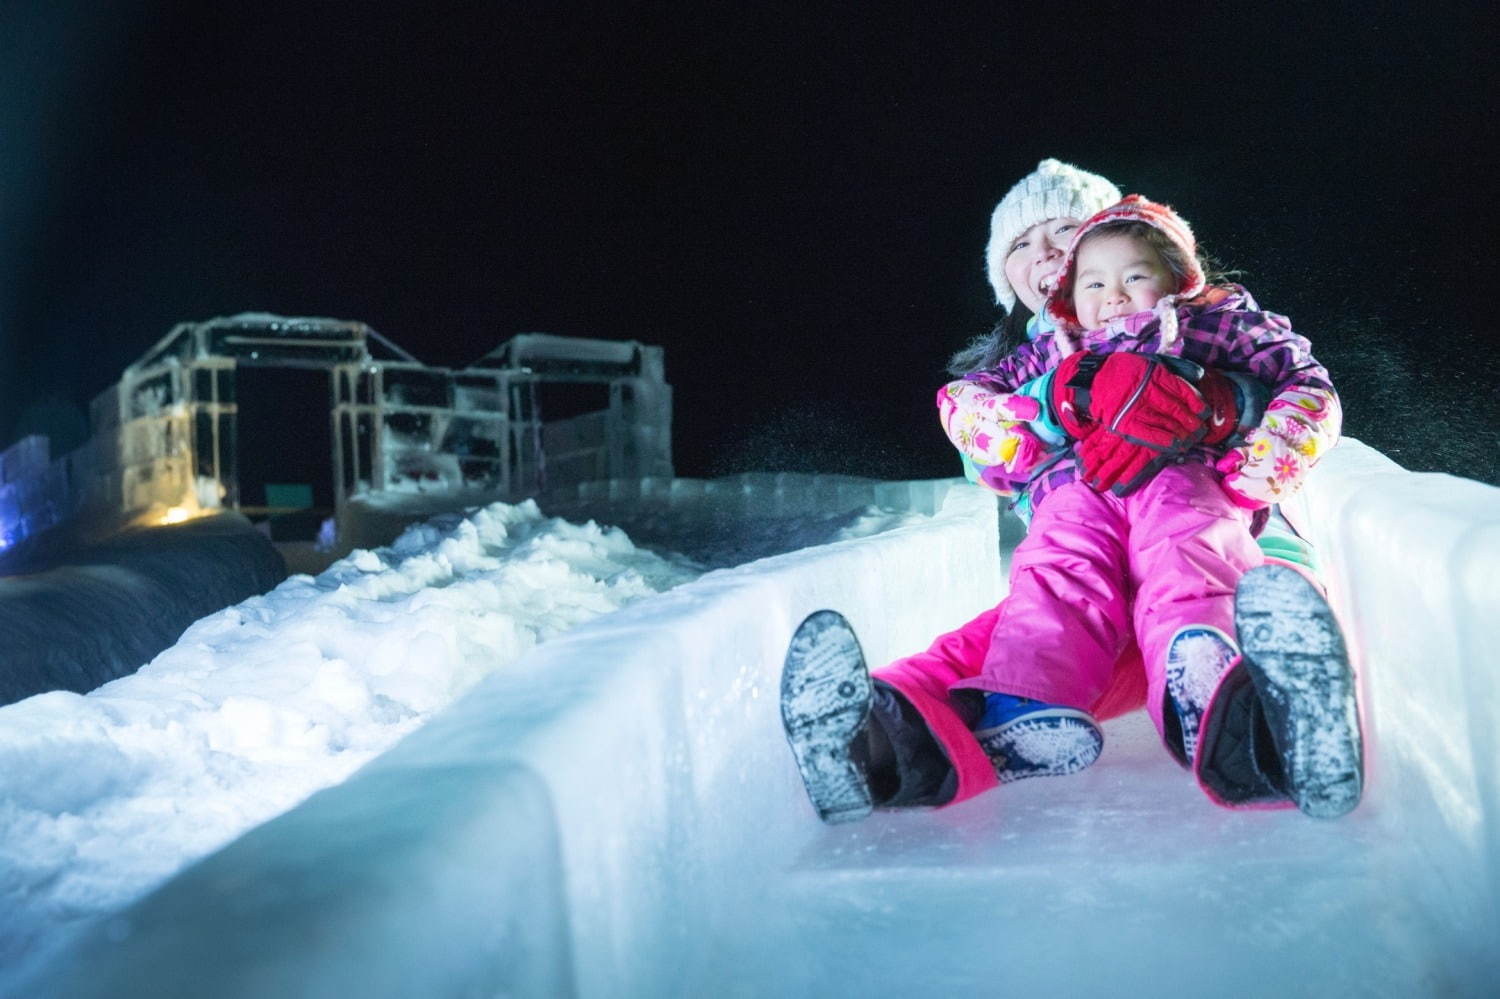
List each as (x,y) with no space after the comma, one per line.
(257,706)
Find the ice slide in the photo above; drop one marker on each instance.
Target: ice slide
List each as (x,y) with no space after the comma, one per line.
(618,815)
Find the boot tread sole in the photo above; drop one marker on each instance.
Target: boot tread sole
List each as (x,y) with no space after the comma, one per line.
(825,703)
(1298,661)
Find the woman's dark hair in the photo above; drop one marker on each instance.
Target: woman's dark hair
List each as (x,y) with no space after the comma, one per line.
(986,351)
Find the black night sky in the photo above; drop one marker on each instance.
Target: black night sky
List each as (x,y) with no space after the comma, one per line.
(792,199)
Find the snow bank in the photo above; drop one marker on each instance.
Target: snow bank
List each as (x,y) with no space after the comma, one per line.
(538,837)
(257,706)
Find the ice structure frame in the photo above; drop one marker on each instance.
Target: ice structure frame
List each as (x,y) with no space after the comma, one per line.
(163,438)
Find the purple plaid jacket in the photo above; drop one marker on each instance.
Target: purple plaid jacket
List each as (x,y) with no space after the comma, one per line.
(1225,329)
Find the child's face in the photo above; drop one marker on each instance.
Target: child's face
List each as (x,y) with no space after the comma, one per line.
(1118,275)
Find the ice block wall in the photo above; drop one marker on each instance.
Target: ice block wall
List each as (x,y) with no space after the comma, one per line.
(25,490)
(1414,566)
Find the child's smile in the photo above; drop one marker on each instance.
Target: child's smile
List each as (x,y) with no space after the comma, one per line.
(1118,275)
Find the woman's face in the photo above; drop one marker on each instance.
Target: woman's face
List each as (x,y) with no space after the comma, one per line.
(1035,258)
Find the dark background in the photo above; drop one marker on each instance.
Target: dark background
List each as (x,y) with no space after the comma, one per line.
(793,201)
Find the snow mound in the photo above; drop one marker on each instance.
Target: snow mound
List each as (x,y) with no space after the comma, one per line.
(257,706)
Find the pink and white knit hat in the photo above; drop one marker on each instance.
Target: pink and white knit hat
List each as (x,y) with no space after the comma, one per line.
(1134,208)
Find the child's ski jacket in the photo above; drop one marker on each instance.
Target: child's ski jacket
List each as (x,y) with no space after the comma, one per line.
(1225,329)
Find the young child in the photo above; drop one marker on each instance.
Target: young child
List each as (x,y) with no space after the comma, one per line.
(1173,534)
(1157,555)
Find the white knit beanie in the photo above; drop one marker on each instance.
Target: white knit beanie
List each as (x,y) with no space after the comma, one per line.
(1054,190)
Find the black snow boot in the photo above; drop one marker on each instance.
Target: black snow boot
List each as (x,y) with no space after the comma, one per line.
(906,766)
(825,708)
(1295,656)
(1236,757)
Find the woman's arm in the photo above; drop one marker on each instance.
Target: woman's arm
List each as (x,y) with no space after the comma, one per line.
(1028,361)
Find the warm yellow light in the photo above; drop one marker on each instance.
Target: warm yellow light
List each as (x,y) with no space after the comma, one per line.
(175,515)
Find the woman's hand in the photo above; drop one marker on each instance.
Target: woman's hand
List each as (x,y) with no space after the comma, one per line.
(1299,425)
(989,428)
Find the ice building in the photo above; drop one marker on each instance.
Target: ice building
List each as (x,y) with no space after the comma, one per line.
(297,422)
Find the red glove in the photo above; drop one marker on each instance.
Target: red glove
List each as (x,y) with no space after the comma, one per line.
(1132,413)
(1223,406)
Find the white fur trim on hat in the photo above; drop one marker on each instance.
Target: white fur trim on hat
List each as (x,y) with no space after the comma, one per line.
(1054,190)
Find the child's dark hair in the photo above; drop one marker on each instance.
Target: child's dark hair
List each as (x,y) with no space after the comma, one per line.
(1164,246)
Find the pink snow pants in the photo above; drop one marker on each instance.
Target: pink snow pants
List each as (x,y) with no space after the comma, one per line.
(1094,572)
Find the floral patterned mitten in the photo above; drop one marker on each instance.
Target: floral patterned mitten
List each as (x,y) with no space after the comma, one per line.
(1299,426)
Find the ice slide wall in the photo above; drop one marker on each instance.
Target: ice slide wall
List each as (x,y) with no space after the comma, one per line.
(1415,564)
(576,824)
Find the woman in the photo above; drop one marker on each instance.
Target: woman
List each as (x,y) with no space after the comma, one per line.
(918,746)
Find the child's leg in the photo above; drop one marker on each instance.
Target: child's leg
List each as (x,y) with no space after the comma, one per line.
(918,698)
(1189,545)
(1238,766)
(918,748)
(1064,624)
(1280,724)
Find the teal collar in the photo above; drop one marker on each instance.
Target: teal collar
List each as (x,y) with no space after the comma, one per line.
(1039,324)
